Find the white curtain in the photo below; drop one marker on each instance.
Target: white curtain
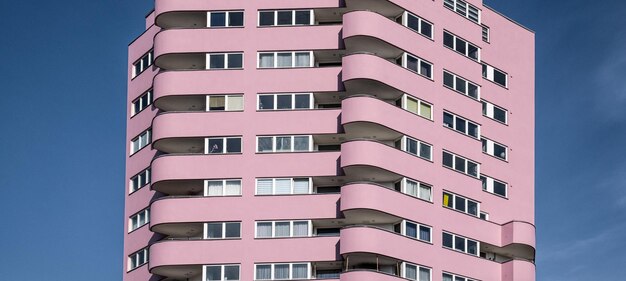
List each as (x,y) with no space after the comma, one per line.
(284,60)
(281,271)
(411,188)
(425,192)
(233,187)
(301,228)
(266,60)
(301,186)
(264,229)
(264,186)
(410,271)
(281,229)
(303,59)
(300,271)
(424,274)
(235,103)
(410,229)
(263,272)
(215,188)
(283,186)
(424,233)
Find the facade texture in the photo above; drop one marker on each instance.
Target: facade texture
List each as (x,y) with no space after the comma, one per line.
(325,139)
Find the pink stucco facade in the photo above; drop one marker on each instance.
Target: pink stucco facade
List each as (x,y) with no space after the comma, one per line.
(365,109)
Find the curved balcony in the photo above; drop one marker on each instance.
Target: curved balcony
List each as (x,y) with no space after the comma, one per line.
(518,270)
(172,258)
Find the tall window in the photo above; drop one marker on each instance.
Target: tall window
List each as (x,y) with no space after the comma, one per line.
(461,85)
(143,63)
(416,65)
(282,186)
(278,229)
(414,230)
(286,17)
(222,230)
(461,244)
(461,46)
(494,112)
(225,19)
(285,101)
(461,125)
(139,180)
(224,103)
(140,141)
(415,147)
(138,259)
(417,106)
(415,272)
(139,219)
(285,143)
(460,164)
(225,272)
(222,145)
(494,186)
(494,149)
(224,60)
(416,23)
(285,59)
(495,75)
(461,204)
(228,187)
(142,102)
(281,271)
(415,189)
(464,9)
(485,33)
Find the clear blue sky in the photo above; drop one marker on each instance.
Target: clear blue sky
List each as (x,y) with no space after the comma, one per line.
(63,78)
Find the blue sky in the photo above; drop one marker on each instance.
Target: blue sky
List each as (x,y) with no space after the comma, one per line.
(63,77)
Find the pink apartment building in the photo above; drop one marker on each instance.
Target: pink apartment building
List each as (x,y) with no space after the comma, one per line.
(350,140)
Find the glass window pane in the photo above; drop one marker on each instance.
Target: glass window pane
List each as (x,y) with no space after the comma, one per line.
(447,277)
(472,247)
(412,22)
(303,17)
(425,151)
(263,272)
(447,240)
(217,61)
(215,188)
(499,77)
(231,272)
(233,230)
(217,103)
(448,79)
(216,145)
(235,19)
(233,145)
(426,69)
(301,228)
(264,144)
(457,278)
(424,274)
(218,19)
(448,120)
(264,229)
(283,143)
(281,271)
(303,59)
(283,102)
(425,192)
(301,186)
(460,46)
(424,233)
(266,18)
(303,101)
(283,186)
(472,168)
(447,159)
(427,29)
(459,243)
(411,105)
(448,40)
(411,188)
(410,229)
(266,60)
(233,187)
(460,85)
(459,203)
(499,151)
(300,271)
(284,18)
(447,200)
(213,273)
(410,271)
(472,52)
(301,143)
(461,125)
(472,208)
(472,129)
(235,103)
(266,102)
(459,164)
(411,63)
(235,60)
(472,90)
(214,230)
(411,146)
(425,110)
(499,188)
(499,114)
(284,60)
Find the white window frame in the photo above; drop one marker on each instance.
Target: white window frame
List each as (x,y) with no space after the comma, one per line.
(418,225)
(463,8)
(273,277)
(456,277)
(466,172)
(467,45)
(224,144)
(144,174)
(403,147)
(293,17)
(489,74)
(139,140)
(142,67)
(406,97)
(223,237)
(467,122)
(489,147)
(226,102)
(227,15)
(484,215)
(453,197)
(291,223)
(293,180)
(293,101)
(404,60)
(145,213)
(467,84)
(140,101)
(226,55)
(489,185)
(486,33)
(489,112)
(405,22)
(404,184)
(454,237)
(418,267)
(293,59)
(292,149)
(222,271)
(206,187)
(136,258)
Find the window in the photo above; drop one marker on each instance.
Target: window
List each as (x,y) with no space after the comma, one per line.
(415,272)
(143,63)
(222,230)
(415,189)
(140,180)
(221,272)
(461,204)
(229,187)
(494,112)
(461,125)
(224,60)
(222,145)
(416,23)
(464,9)
(461,46)
(282,271)
(282,186)
(285,59)
(225,19)
(286,17)
(417,106)
(284,143)
(285,101)
(453,277)
(224,103)
(414,230)
(278,229)
(140,141)
(142,102)
(415,64)
(495,75)
(460,164)
(484,216)
(494,149)
(494,186)
(460,244)
(138,259)
(485,33)
(415,147)
(461,85)
(139,219)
